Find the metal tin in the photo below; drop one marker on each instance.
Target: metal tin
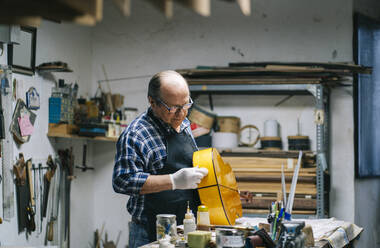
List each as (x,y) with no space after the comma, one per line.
(166,227)
(229,238)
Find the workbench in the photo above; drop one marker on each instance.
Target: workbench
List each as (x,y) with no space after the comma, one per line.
(327,232)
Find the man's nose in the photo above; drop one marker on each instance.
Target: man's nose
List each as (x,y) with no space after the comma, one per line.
(180,111)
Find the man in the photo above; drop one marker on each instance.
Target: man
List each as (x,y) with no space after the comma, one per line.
(153,162)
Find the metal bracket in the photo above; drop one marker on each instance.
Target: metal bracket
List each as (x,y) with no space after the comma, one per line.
(319,117)
(312,88)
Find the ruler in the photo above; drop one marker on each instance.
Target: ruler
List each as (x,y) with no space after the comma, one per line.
(7,152)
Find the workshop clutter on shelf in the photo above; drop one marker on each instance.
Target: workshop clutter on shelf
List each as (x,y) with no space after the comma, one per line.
(103,115)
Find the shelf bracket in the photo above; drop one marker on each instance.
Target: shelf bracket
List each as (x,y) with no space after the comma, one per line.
(312,88)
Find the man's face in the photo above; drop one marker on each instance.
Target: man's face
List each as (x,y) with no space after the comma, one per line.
(172,94)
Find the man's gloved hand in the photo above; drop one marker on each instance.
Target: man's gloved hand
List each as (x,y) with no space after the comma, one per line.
(188,178)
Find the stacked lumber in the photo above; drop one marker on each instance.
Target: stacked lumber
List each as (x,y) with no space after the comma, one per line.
(259,179)
(273,73)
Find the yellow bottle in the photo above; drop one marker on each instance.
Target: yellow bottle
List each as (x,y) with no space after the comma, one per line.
(203,218)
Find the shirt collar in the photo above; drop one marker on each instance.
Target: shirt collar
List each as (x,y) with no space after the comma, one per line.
(165,126)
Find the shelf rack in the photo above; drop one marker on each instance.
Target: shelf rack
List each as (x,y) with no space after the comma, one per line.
(73,136)
(321,96)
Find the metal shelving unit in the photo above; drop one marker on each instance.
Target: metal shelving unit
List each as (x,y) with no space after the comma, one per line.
(321,96)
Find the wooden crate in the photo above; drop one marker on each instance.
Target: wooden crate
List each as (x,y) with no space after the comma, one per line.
(62,129)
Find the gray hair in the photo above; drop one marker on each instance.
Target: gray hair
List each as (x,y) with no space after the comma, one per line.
(155,82)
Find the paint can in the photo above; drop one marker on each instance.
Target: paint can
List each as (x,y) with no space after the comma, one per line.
(228,238)
(223,140)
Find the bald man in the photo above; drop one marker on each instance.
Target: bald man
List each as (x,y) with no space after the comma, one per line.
(153,163)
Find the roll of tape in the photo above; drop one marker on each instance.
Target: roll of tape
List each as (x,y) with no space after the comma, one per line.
(201,116)
(271,128)
(224,140)
(228,124)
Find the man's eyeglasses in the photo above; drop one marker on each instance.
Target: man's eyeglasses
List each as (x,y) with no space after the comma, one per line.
(174,109)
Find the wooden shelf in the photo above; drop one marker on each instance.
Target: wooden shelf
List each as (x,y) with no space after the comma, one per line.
(73,136)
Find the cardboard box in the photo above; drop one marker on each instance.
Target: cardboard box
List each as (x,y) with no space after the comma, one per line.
(62,128)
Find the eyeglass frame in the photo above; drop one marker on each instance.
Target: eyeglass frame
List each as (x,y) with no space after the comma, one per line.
(176,108)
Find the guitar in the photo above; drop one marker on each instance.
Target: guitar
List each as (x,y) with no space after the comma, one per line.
(218,190)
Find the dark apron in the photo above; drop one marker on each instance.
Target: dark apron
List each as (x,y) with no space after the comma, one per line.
(180,149)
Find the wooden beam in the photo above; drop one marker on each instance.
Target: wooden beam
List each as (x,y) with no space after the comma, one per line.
(166,6)
(93,8)
(202,7)
(32,21)
(87,20)
(245,6)
(124,6)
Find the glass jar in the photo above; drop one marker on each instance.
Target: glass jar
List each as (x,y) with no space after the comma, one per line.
(229,238)
(203,218)
(166,227)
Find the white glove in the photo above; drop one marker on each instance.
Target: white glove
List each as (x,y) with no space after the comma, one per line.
(188,178)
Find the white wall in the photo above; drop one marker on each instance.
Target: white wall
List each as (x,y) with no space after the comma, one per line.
(145,43)
(296,30)
(68,43)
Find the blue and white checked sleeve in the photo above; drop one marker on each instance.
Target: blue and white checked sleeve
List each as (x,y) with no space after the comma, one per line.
(128,175)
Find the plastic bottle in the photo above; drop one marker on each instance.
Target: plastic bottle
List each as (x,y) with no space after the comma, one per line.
(203,218)
(189,222)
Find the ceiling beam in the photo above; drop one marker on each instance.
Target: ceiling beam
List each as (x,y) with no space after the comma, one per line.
(166,6)
(124,6)
(245,6)
(202,7)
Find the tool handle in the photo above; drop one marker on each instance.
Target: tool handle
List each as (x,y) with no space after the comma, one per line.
(2,128)
(31,187)
(50,231)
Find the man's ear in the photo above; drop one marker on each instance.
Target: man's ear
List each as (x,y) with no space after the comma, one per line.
(151,101)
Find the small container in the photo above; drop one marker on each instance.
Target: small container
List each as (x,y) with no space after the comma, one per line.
(166,227)
(189,224)
(164,243)
(228,238)
(203,218)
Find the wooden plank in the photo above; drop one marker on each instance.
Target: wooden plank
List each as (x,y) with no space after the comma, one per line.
(302,188)
(274,179)
(93,8)
(72,136)
(248,82)
(263,211)
(243,174)
(265,202)
(124,6)
(255,170)
(202,7)
(165,6)
(245,6)
(245,71)
(251,152)
(328,65)
(261,162)
(31,21)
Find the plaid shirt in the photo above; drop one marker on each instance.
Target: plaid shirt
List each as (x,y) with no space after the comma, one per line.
(140,152)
